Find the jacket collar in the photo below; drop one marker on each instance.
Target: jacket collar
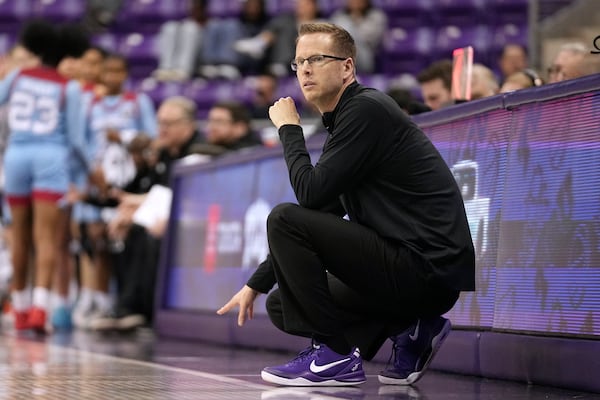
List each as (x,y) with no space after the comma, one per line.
(329,117)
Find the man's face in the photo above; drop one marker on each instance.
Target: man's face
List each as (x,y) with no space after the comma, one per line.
(220,128)
(322,83)
(513,60)
(435,95)
(173,126)
(265,90)
(567,65)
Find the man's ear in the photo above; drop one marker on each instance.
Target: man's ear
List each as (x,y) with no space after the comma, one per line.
(349,67)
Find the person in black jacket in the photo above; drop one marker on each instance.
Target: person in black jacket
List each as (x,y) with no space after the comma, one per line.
(399,260)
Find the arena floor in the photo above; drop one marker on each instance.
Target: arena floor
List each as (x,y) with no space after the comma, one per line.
(84,365)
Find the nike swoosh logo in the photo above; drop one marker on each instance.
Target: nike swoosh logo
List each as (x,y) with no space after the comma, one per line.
(320,368)
(415,335)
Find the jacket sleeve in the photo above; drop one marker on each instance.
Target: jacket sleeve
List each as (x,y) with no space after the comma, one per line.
(348,156)
(263,279)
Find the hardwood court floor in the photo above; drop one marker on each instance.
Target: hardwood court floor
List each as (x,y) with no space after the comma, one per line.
(84,365)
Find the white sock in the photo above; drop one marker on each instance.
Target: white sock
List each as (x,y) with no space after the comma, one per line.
(41,295)
(73,290)
(102,300)
(86,299)
(20,300)
(59,301)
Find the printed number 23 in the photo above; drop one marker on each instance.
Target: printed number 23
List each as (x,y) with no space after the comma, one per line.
(28,113)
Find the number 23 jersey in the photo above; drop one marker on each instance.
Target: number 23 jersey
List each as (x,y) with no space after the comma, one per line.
(43,107)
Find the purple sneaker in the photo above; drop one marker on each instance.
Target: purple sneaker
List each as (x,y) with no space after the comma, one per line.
(414,349)
(318,365)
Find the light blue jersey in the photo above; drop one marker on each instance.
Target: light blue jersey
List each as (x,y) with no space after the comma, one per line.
(44,122)
(127,113)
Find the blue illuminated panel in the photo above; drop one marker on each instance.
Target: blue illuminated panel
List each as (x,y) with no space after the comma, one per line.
(530,179)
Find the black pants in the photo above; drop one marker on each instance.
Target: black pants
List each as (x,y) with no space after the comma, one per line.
(337,277)
(135,269)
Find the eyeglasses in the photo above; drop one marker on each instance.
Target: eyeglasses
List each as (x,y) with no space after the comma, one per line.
(555,69)
(219,121)
(169,123)
(317,59)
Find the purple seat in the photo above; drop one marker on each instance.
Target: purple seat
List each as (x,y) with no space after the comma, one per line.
(137,46)
(328,7)
(407,13)
(503,35)
(406,51)
(224,9)
(58,10)
(377,81)
(141,50)
(451,37)
(14,10)
(108,41)
(276,7)
(7,41)
(508,4)
(509,33)
(158,91)
(414,42)
(146,16)
(205,93)
(288,86)
(460,12)
(155,10)
(510,11)
(244,89)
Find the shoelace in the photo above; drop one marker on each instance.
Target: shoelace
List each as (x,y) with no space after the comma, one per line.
(304,354)
(400,363)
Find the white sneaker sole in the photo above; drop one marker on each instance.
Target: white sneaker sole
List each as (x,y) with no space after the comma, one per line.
(268,377)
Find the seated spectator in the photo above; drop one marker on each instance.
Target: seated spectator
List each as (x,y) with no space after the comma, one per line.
(218,59)
(275,46)
(572,61)
(180,44)
(265,91)
(513,59)
(483,82)
(135,257)
(366,24)
(228,128)
(521,80)
(407,101)
(436,84)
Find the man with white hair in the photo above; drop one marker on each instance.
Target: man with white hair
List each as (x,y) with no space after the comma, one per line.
(569,63)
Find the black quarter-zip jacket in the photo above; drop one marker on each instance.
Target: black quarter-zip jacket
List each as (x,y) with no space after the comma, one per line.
(378,167)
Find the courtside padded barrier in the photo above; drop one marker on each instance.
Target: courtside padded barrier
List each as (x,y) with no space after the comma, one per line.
(527,166)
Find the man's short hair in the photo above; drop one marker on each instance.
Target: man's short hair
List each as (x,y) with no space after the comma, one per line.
(441,69)
(342,40)
(187,106)
(239,113)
